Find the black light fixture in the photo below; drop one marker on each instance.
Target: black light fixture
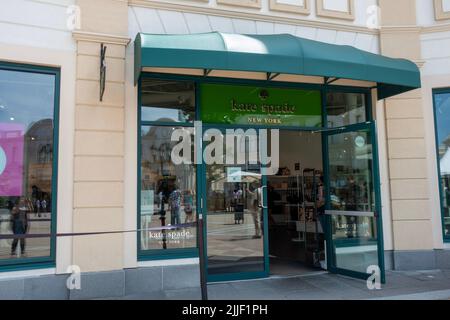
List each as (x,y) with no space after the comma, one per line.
(102,71)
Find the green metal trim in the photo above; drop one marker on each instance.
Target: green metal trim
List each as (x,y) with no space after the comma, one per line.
(236,275)
(370,127)
(378,203)
(31,265)
(435,92)
(201,174)
(49,261)
(161,254)
(158,254)
(138,168)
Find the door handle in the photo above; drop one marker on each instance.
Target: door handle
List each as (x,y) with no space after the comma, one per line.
(262,198)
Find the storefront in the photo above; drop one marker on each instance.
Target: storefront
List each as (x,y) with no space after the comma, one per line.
(325,193)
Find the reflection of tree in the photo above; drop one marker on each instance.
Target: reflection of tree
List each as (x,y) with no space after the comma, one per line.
(156,162)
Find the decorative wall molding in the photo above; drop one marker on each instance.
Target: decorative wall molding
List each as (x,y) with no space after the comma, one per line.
(100,38)
(235,14)
(322,11)
(242,3)
(440,14)
(401,29)
(436,28)
(276,5)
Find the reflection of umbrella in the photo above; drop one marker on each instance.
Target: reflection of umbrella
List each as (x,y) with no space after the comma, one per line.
(445,163)
(240,176)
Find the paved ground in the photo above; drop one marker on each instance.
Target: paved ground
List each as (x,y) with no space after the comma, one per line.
(400,285)
(414,285)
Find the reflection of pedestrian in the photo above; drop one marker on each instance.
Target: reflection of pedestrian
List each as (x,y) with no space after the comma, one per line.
(38,207)
(19,224)
(351,204)
(254,206)
(188,207)
(175,204)
(44,205)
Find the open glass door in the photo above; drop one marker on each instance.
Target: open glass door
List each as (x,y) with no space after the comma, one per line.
(236,214)
(354,225)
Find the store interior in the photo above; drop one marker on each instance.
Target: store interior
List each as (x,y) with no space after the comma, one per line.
(295,206)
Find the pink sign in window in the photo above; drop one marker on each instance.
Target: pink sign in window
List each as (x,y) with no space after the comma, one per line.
(11,159)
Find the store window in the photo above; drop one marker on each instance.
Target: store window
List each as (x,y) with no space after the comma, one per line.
(344,109)
(28,100)
(442,115)
(167,101)
(168,188)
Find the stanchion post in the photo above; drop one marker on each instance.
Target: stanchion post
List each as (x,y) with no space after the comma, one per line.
(201,253)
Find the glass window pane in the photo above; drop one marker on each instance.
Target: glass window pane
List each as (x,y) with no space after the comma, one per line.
(442,106)
(168,192)
(235,215)
(26,154)
(345,108)
(167,101)
(354,232)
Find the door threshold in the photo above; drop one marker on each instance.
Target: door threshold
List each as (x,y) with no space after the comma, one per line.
(274,276)
(303,275)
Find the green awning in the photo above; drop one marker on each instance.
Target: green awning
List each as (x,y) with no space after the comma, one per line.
(275,54)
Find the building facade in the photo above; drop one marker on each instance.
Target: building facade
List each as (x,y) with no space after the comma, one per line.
(89,154)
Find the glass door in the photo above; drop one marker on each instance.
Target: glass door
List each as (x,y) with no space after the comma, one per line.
(354,224)
(236,212)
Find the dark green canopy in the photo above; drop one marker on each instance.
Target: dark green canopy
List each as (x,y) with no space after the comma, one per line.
(275,54)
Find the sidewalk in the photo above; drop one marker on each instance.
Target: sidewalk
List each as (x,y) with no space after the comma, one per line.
(405,285)
(427,285)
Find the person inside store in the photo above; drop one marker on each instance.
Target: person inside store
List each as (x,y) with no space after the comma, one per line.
(175,204)
(20,225)
(255,205)
(321,203)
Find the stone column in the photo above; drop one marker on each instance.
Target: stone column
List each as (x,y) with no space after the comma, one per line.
(404,116)
(99,135)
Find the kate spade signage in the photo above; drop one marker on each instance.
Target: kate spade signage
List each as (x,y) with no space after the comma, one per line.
(260,106)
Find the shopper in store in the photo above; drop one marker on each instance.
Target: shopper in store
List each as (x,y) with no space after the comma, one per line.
(255,205)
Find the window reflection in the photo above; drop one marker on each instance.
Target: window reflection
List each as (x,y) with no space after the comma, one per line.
(352,192)
(26,157)
(168,193)
(167,101)
(442,109)
(345,108)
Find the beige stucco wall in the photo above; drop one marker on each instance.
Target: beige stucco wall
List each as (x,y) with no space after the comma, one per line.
(405,134)
(99,150)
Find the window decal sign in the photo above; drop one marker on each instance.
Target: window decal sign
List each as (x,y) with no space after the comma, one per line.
(11,159)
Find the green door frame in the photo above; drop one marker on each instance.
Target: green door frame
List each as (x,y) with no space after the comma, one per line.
(370,127)
(204,202)
(324,88)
